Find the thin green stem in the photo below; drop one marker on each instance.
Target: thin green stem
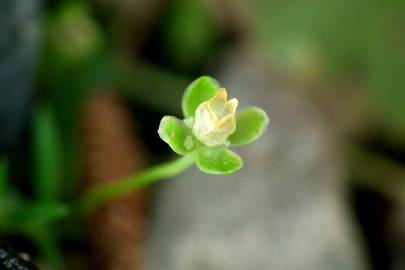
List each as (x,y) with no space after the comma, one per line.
(103,193)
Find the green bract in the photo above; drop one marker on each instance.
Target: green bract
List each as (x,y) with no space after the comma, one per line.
(207,134)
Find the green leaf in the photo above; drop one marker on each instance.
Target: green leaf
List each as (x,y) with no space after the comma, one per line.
(31,216)
(47,154)
(200,90)
(218,160)
(250,125)
(177,135)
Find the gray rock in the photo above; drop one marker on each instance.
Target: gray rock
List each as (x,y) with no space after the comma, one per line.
(284,210)
(19,47)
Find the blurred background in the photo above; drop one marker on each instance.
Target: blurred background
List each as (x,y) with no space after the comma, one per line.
(84,84)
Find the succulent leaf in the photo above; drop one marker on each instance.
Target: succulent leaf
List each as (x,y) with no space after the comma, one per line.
(250,125)
(200,90)
(177,135)
(218,160)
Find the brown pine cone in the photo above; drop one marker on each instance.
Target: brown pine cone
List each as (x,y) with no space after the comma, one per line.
(111,152)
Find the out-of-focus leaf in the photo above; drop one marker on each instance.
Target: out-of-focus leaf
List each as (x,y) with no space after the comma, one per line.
(386,56)
(75,63)
(74,59)
(250,125)
(73,35)
(137,80)
(218,160)
(11,202)
(48,155)
(176,134)
(31,216)
(200,90)
(190,33)
(315,36)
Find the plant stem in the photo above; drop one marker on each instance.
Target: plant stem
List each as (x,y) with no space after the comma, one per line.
(106,192)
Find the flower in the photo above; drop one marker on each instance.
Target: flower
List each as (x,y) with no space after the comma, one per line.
(215,119)
(210,127)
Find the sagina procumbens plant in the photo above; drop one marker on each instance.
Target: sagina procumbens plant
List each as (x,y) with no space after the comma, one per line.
(211,125)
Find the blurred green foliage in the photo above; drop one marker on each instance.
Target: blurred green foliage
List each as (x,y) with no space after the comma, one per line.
(73,52)
(189,33)
(332,29)
(74,63)
(47,154)
(73,35)
(32,219)
(386,65)
(48,158)
(339,39)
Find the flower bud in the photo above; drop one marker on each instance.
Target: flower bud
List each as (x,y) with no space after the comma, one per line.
(215,119)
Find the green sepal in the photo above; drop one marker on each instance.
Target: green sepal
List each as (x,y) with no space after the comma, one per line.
(200,90)
(177,135)
(250,125)
(218,160)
